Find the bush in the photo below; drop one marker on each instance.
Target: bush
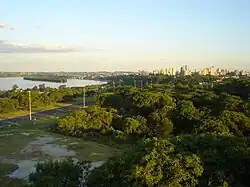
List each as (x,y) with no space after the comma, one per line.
(66,173)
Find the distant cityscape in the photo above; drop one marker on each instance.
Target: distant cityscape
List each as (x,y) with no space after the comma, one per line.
(182,71)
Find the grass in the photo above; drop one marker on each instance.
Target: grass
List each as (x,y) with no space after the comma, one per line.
(79,100)
(34,110)
(5,181)
(87,149)
(19,113)
(11,146)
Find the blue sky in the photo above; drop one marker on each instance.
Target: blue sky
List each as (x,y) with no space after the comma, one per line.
(123,35)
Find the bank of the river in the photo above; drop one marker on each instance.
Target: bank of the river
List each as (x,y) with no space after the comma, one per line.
(8,82)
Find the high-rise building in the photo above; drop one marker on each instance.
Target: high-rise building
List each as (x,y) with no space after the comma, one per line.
(182,69)
(212,71)
(185,73)
(172,71)
(204,71)
(209,71)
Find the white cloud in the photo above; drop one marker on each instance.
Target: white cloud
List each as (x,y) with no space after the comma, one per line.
(5,25)
(14,47)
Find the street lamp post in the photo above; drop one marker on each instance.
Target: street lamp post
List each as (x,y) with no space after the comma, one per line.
(84,98)
(30,104)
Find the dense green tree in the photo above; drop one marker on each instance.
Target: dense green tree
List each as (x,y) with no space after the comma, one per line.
(136,125)
(181,161)
(92,118)
(185,118)
(198,128)
(66,173)
(15,87)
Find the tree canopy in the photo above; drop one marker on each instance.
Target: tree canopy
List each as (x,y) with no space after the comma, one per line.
(184,133)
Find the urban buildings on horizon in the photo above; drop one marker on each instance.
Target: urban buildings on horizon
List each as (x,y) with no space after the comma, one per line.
(184,71)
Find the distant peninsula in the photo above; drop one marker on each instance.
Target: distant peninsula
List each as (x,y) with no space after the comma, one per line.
(56,79)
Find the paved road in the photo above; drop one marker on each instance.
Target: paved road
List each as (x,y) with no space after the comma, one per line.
(37,115)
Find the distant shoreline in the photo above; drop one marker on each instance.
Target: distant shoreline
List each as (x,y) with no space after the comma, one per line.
(51,79)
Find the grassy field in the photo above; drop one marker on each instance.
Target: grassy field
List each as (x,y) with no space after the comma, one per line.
(15,138)
(5,169)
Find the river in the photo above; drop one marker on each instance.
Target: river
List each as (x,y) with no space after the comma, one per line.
(7,83)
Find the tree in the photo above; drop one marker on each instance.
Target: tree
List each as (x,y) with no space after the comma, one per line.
(185,117)
(154,163)
(42,87)
(92,119)
(15,87)
(136,125)
(184,161)
(66,173)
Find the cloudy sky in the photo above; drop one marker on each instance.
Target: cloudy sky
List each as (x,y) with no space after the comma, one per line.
(94,35)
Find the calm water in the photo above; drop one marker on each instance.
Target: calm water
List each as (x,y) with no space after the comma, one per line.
(8,82)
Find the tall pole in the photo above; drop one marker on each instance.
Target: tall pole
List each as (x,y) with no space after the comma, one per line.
(30,104)
(113,86)
(84,97)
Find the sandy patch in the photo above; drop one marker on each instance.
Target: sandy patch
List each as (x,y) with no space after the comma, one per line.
(54,150)
(45,145)
(25,133)
(2,135)
(74,143)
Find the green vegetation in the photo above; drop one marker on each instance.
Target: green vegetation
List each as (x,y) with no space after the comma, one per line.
(42,97)
(15,102)
(178,161)
(190,131)
(5,181)
(16,138)
(47,79)
(145,80)
(68,173)
(18,113)
(185,133)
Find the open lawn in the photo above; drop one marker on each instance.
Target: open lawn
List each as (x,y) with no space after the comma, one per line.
(31,140)
(5,181)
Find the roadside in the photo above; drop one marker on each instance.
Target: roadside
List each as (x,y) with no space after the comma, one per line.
(76,102)
(35,110)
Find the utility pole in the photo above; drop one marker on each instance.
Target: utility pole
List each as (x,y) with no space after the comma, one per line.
(30,104)
(135,83)
(141,84)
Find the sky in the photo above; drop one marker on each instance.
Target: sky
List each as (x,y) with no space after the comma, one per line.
(130,35)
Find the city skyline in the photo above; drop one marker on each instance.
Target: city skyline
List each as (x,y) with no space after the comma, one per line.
(142,35)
